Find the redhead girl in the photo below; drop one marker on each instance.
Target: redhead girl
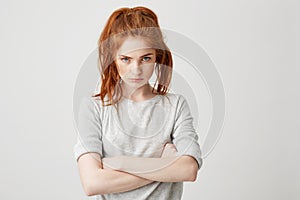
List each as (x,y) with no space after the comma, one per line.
(136,140)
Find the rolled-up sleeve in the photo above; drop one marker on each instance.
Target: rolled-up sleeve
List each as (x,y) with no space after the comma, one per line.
(89,128)
(184,136)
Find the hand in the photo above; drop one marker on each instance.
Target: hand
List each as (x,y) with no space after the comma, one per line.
(169,150)
(113,163)
(107,167)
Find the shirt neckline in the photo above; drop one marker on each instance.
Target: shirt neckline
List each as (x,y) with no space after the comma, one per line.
(143,101)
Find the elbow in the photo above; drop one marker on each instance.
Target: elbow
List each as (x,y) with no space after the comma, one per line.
(94,187)
(91,190)
(192,178)
(88,190)
(192,170)
(192,174)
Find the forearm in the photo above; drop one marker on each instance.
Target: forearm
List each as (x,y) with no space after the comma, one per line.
(107,181)
(167,169)
(96,180)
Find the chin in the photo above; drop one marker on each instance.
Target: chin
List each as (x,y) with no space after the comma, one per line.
(136,85)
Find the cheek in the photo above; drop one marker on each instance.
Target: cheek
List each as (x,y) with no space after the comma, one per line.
(122,70)
(149,70)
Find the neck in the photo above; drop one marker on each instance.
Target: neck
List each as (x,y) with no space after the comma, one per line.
(138,94)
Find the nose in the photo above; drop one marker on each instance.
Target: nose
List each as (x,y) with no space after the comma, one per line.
(136,68)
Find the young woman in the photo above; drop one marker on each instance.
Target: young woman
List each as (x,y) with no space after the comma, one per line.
(136,140)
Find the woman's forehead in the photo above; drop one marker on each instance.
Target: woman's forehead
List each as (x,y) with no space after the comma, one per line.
(135,45)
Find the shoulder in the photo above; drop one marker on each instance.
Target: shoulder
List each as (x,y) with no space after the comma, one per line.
(175,98)
(91,103)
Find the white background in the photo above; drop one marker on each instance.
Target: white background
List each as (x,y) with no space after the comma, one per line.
(253,44)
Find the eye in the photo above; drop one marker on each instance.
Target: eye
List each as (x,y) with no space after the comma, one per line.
(146,58)
(125,59)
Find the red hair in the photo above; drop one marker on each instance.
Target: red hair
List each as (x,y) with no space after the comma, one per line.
(125,22)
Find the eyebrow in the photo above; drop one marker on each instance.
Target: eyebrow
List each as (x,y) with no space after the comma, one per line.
(147,54)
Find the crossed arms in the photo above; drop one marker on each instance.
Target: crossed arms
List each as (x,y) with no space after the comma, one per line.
(120,174)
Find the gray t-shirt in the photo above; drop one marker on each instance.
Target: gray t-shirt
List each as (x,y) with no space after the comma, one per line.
(138,129)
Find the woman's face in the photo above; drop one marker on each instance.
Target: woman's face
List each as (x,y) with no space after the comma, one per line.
(135,62)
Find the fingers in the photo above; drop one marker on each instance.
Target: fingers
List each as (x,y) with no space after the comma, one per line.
(170,146)
(169,150)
